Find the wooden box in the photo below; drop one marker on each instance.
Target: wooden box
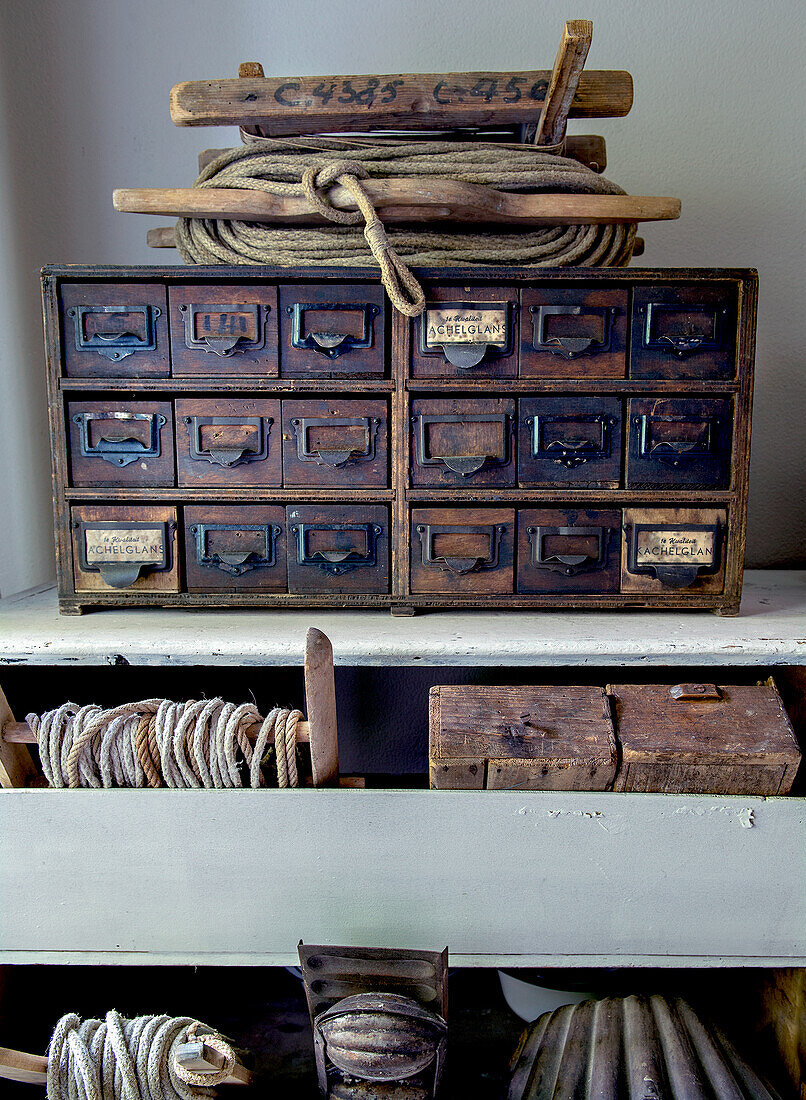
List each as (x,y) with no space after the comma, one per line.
(704,739)
(527,738)
(480,436)
(125,548)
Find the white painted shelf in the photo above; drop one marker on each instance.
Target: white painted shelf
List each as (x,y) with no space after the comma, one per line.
(771,630)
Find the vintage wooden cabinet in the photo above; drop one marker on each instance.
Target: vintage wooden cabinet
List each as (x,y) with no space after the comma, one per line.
(547,438)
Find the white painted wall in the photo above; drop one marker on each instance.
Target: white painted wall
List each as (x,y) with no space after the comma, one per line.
(717,120)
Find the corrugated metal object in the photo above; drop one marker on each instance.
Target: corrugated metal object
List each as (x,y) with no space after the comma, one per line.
(630,1048)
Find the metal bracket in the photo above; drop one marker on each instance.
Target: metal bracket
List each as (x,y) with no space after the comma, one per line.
(427,532)
(228,343)
(465,356)
(335,458)
(123,573)
(122,451)
(337,562)
(236,562)
(569,564)
(571,347)
(237,454)
(571,452)
(672,574)
(687,341)
(674,451)
(122,343)
(463,465)
(332,344)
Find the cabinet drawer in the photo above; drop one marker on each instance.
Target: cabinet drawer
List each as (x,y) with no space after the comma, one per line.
(118,443)
(674,550)
(338,548)
(570,440)
(331,443)
(679,442)
(466,332)
(569,550)
(124,548)
(224,330)
(334,329)
(115,330)
(462,442)
(237,547)
(228,442)
(574,333)
(462,550)
(683,331)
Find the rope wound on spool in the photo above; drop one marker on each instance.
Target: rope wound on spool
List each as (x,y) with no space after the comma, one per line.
(309,166)
(159,743)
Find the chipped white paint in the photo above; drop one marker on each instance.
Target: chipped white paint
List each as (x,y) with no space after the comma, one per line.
(770,630)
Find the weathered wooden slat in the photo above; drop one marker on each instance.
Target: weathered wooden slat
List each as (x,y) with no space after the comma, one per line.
(565,76)
(311,104)
(401,200)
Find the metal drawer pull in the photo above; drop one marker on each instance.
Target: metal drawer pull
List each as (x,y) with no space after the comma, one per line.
(569,564)
(688,339)
(223,337)
(235,453)
(570,452)
(331,344)
(121,551)
(119,447)
(235,561)
(456,564)
(683,693)
(675,554)
(124,341)
(463,465)
(570,347)
(464,332)
(335,561)
(335,457)
(673,451)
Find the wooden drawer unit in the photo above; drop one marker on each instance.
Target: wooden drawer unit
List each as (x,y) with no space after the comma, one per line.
(224,334)
(332,443)
(228,442)
(124,548)
(463,441)
(544,438)
(235,548)
(573,441)
(117,443)
(574,333)
(338,548)
(332,331)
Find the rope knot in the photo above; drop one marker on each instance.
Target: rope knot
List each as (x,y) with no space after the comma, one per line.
(316,178)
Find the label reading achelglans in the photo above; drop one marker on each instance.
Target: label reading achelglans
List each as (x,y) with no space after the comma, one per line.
(463,325)
(124,544)
(683,546)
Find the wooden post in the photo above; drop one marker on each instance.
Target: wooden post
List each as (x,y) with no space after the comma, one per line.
(568,66)
(16,766)
(320,701)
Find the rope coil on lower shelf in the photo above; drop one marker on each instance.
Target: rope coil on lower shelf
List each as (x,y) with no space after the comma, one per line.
(130,1059)
(159,743)
(309,165)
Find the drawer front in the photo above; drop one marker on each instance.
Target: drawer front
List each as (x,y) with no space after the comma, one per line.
(574,333)
(679,442)
(674,550)
(462,550)
(332,330)
(569,550)
(235,548)
(115,330)
(338,548)
(124,548)
(332,443)
(466,333)
(228,442)
(570,440)
(684,332)
(224,329)
(118,443)
(462,442)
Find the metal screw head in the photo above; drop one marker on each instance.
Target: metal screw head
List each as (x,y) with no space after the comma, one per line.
(183,309)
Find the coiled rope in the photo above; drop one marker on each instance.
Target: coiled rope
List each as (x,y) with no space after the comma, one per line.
(120,1059)
(308,166)
(158,743)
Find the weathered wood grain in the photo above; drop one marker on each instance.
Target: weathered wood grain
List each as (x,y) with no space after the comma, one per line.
(565,76)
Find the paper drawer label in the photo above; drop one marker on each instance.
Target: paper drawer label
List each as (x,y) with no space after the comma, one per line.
(144,544)
(679,547)
(462,325)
